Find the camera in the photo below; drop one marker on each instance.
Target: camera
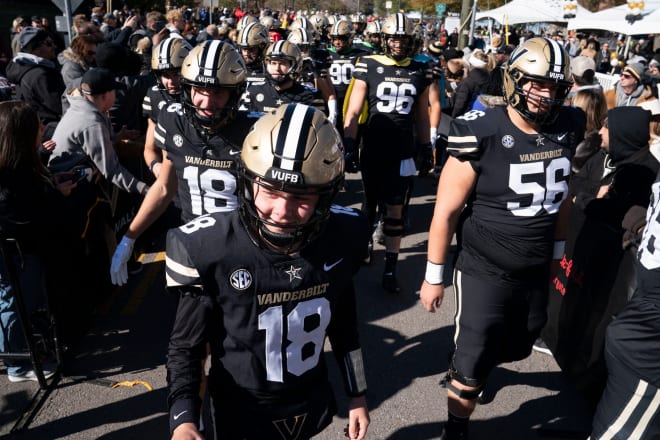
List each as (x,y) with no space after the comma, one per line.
(80,174)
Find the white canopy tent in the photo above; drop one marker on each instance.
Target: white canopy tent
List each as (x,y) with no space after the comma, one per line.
(530,11)
(614,19)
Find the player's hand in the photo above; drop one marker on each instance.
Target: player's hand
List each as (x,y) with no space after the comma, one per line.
(431,296)
(118,269)
(358,418)
(186,431)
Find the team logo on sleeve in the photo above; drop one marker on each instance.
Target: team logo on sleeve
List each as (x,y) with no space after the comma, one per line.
(178,140)
(240,279)
(508,141)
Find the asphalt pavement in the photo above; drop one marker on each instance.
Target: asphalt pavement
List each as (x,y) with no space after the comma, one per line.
(405,352)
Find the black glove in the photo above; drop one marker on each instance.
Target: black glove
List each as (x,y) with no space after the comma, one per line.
(351,157)
(424,160)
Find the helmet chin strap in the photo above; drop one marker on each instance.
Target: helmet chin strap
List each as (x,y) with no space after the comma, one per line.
(284,240)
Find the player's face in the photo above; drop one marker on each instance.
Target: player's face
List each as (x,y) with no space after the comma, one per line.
(604,133)
(286,210)
(171,80)
(535,93)
(374,39)
(208,100)
(339,43)
(398,45)
(250,54)
(278,68)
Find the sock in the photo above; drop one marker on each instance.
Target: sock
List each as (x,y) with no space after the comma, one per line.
(390,261)
(456,426)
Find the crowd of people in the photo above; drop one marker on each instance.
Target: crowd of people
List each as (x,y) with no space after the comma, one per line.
(240,126)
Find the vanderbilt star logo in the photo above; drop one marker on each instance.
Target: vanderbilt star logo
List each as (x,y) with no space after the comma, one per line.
(539,141)
(294,273)
(279,102)
(398,72)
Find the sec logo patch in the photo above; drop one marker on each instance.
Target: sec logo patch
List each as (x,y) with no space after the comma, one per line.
(240,279)
(508,141)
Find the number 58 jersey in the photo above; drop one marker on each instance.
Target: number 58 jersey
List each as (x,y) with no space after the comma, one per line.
(522,181)
(272,311)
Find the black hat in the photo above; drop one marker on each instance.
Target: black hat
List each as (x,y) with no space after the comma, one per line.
(118,58)
(36,18)
(97,81)
(506,49)
(452,53)
(31,36)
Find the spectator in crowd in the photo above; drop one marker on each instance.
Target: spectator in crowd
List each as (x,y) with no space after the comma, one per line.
(583,70)
(630,90)
(84,135)
(505,245)
(31,205)
(604,58)
(175,23)
(261,386)
(597,269)
(109,24)
(454,73)
(17,26)
(77,60)
(470,88)
(37,78)
(126,113)
(592,103)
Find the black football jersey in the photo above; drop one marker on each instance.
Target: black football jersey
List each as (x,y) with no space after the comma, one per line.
(341,69)
(263,97)
(391,94)
(522,180)
(648,270)
(271,311)
(205,168)
(155,100)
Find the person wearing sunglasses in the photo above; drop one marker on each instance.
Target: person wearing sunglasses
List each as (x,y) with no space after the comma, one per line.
(35,72)
(630,90)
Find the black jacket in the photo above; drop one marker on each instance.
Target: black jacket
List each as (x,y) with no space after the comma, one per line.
(39,83)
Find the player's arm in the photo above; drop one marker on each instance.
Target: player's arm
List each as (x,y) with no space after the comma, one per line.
(355,103)
(188,338)
(456,183)
(422,117)
(327,91)
(344,338)
(153,156)
(155,202)
(435,111)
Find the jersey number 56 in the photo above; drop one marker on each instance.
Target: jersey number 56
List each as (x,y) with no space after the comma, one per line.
(548,197)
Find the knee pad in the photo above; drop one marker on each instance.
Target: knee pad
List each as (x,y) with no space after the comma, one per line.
(392,227)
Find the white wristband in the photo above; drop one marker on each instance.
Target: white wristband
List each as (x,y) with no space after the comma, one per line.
(558,249)
(434,273)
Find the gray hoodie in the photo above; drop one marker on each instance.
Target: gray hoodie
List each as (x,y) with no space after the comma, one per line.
(84,134)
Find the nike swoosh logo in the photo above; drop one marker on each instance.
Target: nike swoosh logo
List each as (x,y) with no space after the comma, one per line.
(176,416)
(234,152)
(327,267)
(560,138)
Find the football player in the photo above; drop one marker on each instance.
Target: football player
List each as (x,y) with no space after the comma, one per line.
(344,55)
(396,88)
(166,61)
(264,286)
(500,191)
(282,65)
(200,142)
(373,37)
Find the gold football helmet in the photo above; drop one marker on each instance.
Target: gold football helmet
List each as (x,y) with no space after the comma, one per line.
(168,55)
(400,27)
(297,150)
(245,20)
(284,50)
(320,22)
(254,35)
(303,38)
(342,29)
(212,64)
(541,60)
